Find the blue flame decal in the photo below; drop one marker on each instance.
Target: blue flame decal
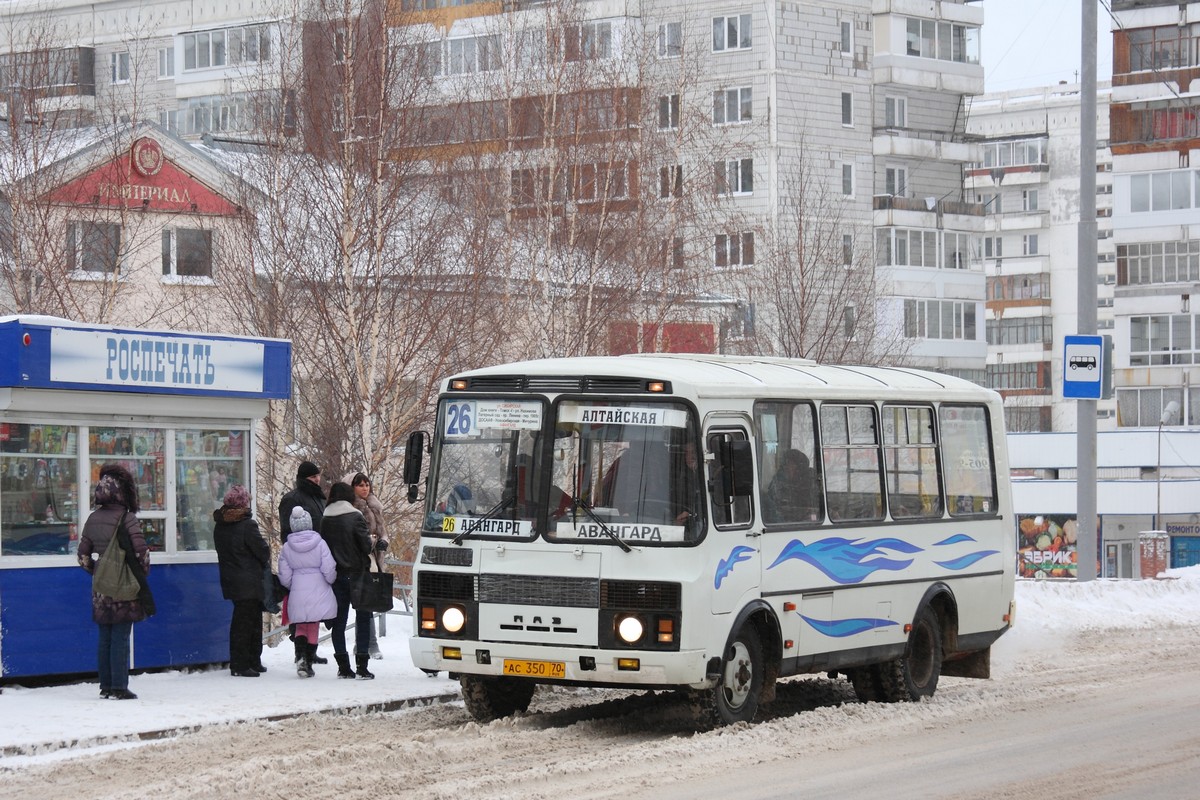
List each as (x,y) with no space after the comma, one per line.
(845,560)
(955,539)
(962,562)
(725,565)
(846,627)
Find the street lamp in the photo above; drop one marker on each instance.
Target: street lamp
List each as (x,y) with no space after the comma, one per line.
(1169,412)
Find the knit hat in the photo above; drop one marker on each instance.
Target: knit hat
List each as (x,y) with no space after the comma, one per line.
(300,520)
(306,470)
(237,496)
(108,492)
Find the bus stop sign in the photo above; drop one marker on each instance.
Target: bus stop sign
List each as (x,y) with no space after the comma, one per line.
(1083,367)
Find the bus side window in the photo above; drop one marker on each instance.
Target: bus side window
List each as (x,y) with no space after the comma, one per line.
(730,478)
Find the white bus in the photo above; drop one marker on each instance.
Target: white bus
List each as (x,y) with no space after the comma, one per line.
(710,523)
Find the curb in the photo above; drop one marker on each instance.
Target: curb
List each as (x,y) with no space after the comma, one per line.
(41,748)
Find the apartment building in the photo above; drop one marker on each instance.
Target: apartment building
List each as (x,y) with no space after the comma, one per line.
(1155,134)
(1028,183)
(846,116)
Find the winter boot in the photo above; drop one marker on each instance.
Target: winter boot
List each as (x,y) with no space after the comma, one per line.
(343,662)
(304,665)
(362,659)
(301,646)
(313,658)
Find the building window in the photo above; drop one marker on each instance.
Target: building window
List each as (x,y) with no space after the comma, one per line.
(907,247)
(732,105)
(847,250)
(956,250)
(731,33)
(672,252)
(734,249)
(895,112)
(848,180)
(1163,339)
(1161,191)
(939,319)
(166,62)
(169,119)
(670,40)
(668,112)
(94,247)
(1149,263)
(470,55)
(670,181)
(993,247)
(244,45)
(945,41)
(120,67)
(1018,375)
(847,109)
(992,202)
(1019,330)
(1029,199)
(895,181)
(187,252)
(590,41)
(734,177)
(849,321)
(847,41)
(1019,287)
(1143,408)
(1018,153)
(340,46)
(1029,244)
(1163,47)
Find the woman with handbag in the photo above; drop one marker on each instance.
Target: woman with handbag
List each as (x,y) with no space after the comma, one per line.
(242,557)
(367,503)
(120,596)
(344,529)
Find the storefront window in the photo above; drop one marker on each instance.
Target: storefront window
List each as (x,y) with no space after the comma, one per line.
(38,511)
(206,464)
(141,451)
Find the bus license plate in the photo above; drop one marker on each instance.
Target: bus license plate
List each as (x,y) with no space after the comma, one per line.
(535,669)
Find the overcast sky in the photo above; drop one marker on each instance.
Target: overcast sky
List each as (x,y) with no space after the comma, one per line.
(1030,43)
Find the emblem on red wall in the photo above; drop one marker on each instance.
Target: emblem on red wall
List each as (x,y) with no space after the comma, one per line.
(147,156)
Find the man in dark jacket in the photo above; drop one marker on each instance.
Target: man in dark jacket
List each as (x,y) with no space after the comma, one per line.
(307,495)
(242,558)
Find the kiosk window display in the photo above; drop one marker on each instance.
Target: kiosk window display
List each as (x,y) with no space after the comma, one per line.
(179,412)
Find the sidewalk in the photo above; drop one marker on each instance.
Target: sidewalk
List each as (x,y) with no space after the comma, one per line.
(36,722)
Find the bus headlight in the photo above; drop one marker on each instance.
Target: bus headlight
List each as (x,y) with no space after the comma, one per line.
(453,619)
(630,629)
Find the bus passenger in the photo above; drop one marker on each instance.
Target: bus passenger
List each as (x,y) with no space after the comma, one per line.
(791,497)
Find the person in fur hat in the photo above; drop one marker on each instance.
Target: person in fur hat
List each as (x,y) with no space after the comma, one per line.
(115,503)
(307,569)
(242,555)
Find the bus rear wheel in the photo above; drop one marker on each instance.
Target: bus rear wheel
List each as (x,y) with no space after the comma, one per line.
(736,694)
(916,674)
(490,698)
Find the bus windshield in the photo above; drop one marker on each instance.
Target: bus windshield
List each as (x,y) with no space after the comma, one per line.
(483,474)
(627,470)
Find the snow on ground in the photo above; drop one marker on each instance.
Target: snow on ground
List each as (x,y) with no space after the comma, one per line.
(53,722)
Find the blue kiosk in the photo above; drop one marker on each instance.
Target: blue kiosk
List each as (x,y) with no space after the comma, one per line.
(179,411)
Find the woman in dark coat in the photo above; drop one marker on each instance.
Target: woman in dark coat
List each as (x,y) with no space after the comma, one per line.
(242,556)
(115,502)
(344,529)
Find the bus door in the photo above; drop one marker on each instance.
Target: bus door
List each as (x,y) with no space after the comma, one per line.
(733,544)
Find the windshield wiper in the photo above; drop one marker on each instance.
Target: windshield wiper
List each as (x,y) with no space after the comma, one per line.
(577,503)
(475,523)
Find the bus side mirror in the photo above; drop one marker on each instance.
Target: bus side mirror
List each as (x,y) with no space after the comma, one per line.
(414,456)
(737,465)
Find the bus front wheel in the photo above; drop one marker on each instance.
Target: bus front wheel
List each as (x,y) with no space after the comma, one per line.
(489,698)
(736,694)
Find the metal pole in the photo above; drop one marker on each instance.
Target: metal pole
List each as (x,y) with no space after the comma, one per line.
(1085,427)
(1158,479)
